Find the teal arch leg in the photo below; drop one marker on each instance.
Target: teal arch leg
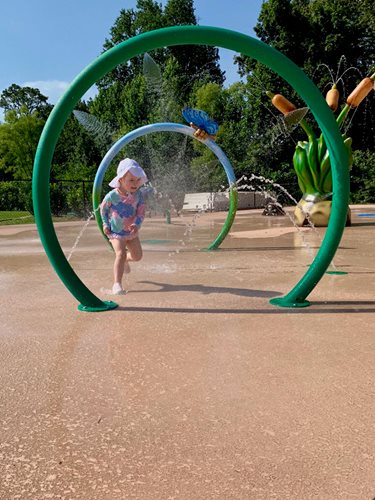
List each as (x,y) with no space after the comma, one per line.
(233,203)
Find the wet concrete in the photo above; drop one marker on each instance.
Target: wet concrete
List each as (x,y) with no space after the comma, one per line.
(195,387)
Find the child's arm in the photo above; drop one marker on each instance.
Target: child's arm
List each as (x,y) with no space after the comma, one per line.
(140,213)
(104,212)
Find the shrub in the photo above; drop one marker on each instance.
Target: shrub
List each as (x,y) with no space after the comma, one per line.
(11,196)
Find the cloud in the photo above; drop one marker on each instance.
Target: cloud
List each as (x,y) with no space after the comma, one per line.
(54,89)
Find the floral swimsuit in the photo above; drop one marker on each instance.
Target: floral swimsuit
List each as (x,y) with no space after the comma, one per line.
(119,211)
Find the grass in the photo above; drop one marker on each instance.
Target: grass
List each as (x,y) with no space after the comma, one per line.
(20,217)
(16,217)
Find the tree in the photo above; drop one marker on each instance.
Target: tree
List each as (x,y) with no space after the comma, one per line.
(76,155)
(333,44)
(128,24)
(195,63)
(187,65)
(19,138)
(363,177)
(24,100)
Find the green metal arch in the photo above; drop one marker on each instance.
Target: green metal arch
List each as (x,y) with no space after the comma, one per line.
(185,35)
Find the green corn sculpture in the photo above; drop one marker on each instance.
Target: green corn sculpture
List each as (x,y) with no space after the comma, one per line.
(311,158)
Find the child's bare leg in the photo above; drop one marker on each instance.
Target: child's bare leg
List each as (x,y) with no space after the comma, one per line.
(135,249)
(119,246)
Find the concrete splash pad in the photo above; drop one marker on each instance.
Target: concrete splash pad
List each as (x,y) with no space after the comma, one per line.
(195,387)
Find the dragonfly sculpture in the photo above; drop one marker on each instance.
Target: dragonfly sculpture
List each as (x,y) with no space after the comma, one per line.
(204,126)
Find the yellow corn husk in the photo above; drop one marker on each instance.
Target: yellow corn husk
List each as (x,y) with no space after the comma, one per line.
(332,98)
(360,92)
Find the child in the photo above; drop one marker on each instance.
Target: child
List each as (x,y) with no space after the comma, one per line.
(123,211)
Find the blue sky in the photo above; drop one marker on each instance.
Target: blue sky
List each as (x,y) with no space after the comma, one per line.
(45,44)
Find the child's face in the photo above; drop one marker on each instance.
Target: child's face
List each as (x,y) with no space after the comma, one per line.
(130,182)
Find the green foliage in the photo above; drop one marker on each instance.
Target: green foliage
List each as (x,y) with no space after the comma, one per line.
(363,177)
(152,74)
(24,100)
(232,110)
(19,138)
(210,98)
(11,217)
(76,199)
(107,105)
(237,123)
(11,196)
(207,172)
(77,153)
(135,104)
(58,199)
(16,195)
(192,63)
(100,132)
(208,175)
(179,12)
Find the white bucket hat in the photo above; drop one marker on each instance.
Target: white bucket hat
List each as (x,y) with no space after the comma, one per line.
(128,165)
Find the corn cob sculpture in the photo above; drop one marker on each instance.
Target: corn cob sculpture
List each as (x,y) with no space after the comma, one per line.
(311,158)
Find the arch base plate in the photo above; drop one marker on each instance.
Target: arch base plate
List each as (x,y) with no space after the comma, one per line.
(285,302)
(107,306)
